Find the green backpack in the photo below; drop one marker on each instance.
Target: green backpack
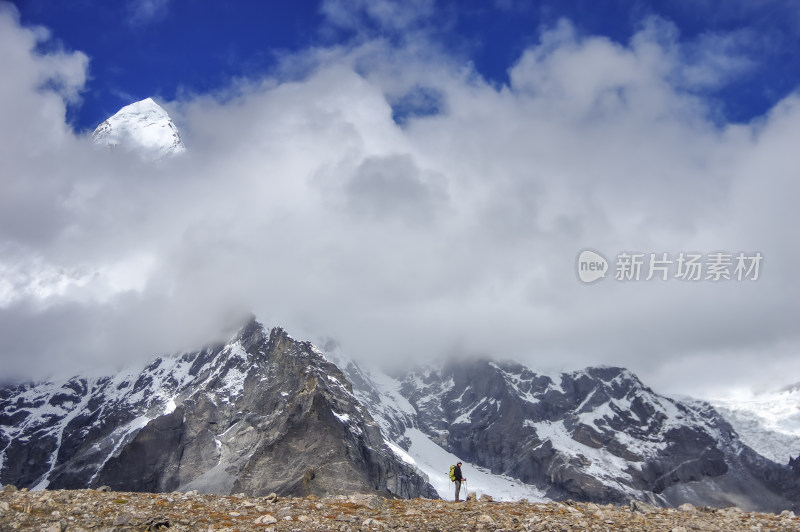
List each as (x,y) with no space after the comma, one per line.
(453,473)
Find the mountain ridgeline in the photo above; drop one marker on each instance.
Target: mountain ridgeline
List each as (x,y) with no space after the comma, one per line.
(597,435)
(267,413)
(263,413)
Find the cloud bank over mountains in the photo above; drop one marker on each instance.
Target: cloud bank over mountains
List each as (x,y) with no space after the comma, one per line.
(386,195)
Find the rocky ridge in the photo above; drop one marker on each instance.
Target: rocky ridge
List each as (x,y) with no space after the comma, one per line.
(261,413)
(84,510)
(598,434)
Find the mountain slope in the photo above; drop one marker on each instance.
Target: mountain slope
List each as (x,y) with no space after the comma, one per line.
(262,413)
(397,418)
(143,127)
(596,435)
(769,422)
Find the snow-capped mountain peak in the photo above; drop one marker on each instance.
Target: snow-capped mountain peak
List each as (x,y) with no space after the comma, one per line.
(143,127)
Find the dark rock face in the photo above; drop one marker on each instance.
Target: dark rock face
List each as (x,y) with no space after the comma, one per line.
(595,435)
(148,462)
(263,413)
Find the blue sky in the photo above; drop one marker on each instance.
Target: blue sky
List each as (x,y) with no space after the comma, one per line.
(166,48)
(414,179)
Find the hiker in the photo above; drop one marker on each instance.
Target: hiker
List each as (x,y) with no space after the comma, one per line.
(457,478)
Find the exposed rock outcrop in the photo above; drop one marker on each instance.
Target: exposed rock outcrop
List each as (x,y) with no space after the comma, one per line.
(597,434)
(264,413)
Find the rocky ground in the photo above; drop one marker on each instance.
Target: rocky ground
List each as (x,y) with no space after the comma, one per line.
(77,510)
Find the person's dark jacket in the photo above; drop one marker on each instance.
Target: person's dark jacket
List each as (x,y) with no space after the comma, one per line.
(457,473)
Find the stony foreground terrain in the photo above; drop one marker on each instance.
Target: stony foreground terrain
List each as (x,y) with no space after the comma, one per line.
(76,510)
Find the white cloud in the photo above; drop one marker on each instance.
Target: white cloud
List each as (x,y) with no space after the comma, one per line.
(457,233)
(36,86)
